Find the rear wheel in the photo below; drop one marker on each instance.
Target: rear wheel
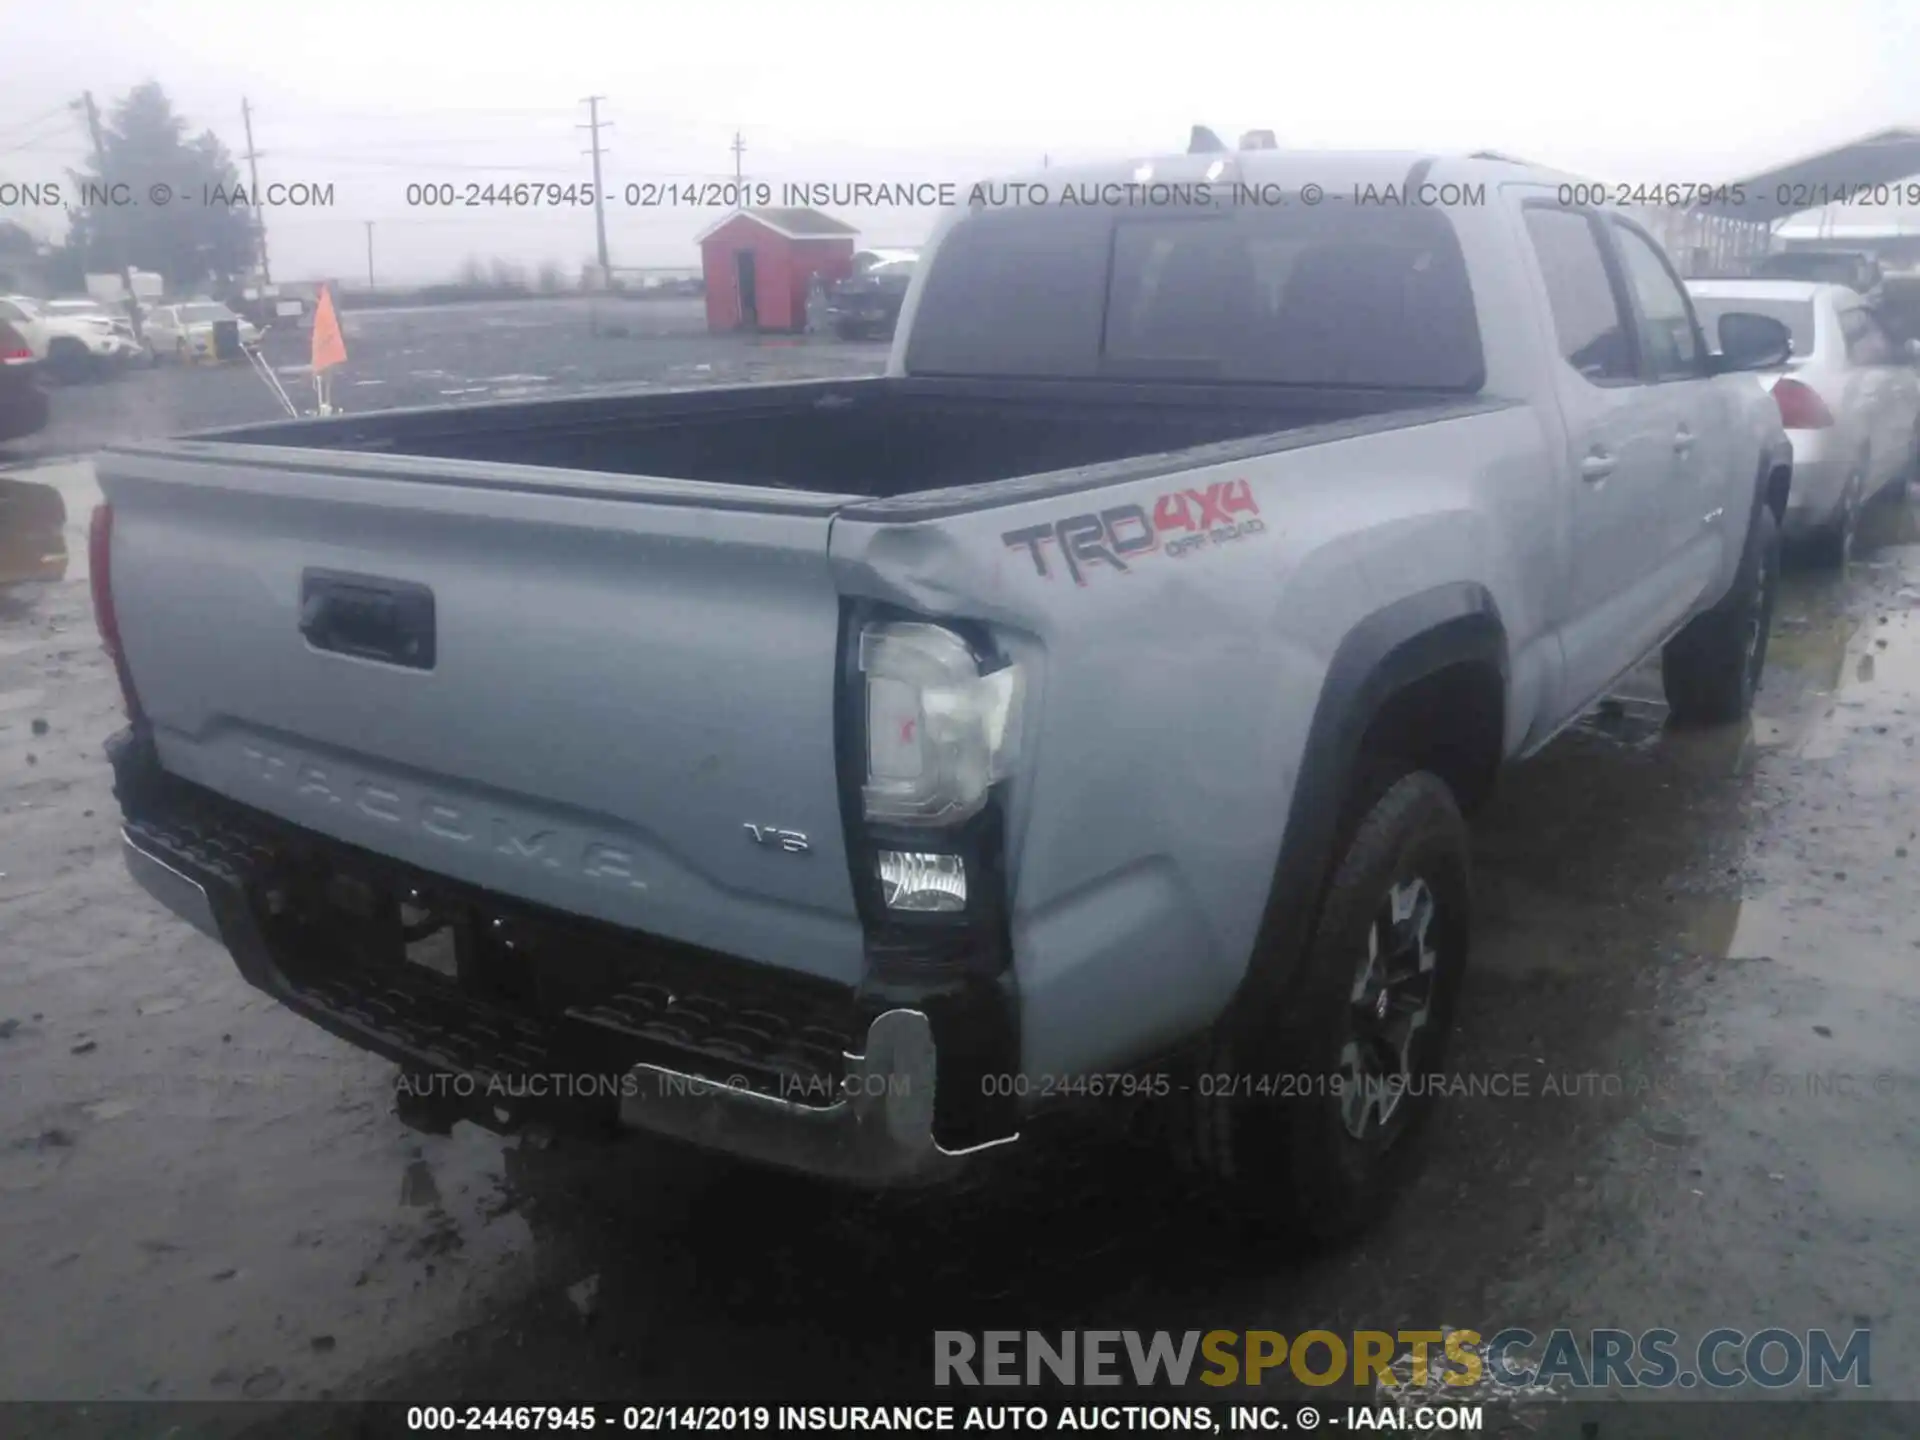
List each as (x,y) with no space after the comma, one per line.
(1910,472)
(1831,547)
(68,361)
(1309,1117)
(1712,668)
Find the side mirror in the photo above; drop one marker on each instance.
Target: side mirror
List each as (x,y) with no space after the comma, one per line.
(1753,342)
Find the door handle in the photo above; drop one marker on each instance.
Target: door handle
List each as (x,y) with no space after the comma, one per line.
(1682,440)
(368,617)
(1597,466)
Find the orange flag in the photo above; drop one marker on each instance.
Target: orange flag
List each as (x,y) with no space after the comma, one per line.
(328,348)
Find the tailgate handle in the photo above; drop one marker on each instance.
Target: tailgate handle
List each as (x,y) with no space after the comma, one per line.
(368,618)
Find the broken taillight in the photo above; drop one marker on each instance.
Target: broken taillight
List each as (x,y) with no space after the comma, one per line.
(100,577)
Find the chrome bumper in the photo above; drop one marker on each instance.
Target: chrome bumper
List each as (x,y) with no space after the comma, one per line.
(875,1130)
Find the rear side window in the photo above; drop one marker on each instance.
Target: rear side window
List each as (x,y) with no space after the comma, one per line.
(1666,321)
(1334,295)
(1588,318)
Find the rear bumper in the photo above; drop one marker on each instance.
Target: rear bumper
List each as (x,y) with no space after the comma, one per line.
(178,891)
(878,1131)
(869,1120)
(864,316)
(1819,481)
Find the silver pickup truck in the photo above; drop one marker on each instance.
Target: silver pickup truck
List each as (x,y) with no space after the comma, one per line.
(839,775)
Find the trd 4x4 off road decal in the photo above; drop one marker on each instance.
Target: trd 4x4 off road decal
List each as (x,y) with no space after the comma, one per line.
(1181,522)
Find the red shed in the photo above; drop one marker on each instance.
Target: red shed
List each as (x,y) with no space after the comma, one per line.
(759,265)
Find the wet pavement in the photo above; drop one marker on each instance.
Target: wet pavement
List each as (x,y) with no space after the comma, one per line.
(1698,970)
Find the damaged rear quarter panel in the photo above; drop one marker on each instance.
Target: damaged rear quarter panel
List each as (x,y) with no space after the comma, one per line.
(1174,670)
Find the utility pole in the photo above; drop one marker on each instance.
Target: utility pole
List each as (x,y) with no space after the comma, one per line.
(253,193)
(596,125)
(370,255)
(739,150)
(100,159)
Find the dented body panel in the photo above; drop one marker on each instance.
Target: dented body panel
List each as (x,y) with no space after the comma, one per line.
(637,709)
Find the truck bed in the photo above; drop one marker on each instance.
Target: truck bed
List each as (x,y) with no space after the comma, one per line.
(440,637)
(877,438)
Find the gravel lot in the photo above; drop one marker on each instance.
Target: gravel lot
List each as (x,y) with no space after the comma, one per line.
(207,1198)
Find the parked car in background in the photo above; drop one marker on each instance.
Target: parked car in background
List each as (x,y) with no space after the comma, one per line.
(865,260)
(72,345)
(85,307)
(186,331)
(23,404)
(866,304)
(1849,398)
(1859,272)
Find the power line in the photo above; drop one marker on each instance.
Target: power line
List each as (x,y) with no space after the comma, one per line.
(403,149)
(417,165)
(739,151)
(386,116)
(57,112)
(39,141)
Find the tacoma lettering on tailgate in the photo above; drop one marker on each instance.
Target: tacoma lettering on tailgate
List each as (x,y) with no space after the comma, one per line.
(1179,523)
(452,823)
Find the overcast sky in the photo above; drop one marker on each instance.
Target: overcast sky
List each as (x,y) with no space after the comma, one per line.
(371,97)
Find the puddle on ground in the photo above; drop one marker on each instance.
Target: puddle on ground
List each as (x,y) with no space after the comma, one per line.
(1876,673)
(44,514)
(33,531)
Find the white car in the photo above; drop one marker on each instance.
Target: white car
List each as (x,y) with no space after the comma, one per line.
(185,330)
(1849,397)
(70,344)
(83,307)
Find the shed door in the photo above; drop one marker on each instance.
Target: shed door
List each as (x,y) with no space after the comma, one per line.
(749,300)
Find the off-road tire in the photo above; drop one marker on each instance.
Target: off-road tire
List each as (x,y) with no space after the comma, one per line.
(1284,1160)
(1712,668)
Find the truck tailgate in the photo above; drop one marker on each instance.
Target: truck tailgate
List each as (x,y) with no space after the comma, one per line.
(571,689)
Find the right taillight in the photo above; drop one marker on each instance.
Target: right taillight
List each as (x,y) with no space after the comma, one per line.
(1801,407)
(939,733)
(100,577)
